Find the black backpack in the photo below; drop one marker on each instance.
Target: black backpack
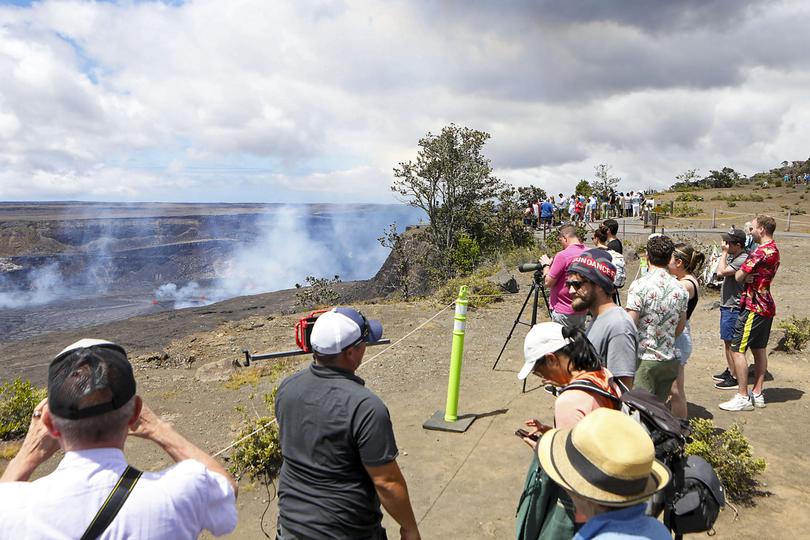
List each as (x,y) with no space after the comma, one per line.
(693,499)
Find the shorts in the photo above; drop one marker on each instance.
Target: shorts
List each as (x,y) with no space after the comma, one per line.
(683,345)
(569,320)
(546,219)
(657,376)
(752,332)
(728,322)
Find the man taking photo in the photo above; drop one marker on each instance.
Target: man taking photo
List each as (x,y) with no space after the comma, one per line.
(91,409)
(554,278)
(338,442)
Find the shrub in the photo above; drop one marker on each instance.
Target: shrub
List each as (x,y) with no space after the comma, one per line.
(481,291)
(688,197)
(317,292)
(777,183)
(684,210)
(751,197)
(259,455)
(797,333)
(798,212)
(17,401)
(466,255)
(731,204)
(730,453)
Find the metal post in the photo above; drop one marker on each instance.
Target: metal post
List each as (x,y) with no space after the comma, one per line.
(787,229)
(714,218)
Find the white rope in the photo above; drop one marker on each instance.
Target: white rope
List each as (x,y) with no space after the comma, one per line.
(265,426)
(273,421)
(406,336)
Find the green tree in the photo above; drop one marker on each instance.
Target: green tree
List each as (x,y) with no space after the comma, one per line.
(529,194)
(450,180)
(584,188)
(605,181)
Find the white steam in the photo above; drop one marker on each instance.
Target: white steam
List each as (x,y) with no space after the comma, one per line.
(45,285)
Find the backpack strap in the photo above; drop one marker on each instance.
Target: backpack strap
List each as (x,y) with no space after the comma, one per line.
(115,500)
(588,386)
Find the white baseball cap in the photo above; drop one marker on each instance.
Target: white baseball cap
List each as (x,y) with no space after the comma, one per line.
(542,339)
(341,328)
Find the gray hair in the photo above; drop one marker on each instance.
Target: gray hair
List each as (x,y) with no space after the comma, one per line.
(95,429)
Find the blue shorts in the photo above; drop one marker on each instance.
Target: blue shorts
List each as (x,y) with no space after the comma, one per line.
(728,322)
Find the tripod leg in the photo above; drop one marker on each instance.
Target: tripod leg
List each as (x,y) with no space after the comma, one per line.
(536,287)
(517,321)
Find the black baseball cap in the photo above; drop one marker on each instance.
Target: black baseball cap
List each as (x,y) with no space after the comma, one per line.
(734,235)
(89,378)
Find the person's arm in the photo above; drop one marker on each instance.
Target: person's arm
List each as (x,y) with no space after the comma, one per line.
(723,268)
(37,447)
(548,265)
(150,427)
(681,324)
(393,492)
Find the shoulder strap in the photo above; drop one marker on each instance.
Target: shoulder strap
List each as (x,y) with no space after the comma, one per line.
(115,500)
(588,386)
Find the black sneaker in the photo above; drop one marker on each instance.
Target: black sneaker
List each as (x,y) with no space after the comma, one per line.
(729,383)
(720,377)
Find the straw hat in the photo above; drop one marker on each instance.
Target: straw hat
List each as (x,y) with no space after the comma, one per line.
(607,458)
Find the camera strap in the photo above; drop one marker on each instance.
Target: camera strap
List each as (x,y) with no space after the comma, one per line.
(115,500)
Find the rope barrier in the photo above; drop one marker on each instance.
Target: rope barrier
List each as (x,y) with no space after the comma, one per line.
(273,421)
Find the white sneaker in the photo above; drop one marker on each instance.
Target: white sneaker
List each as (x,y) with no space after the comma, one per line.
(757,399)
(738,403)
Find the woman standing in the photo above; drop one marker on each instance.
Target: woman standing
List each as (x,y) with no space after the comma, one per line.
(685,262)
(560,355)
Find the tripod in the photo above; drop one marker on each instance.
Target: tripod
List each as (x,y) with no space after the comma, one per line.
(538,286)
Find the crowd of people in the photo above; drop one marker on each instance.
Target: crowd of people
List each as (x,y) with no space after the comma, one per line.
(337,441)
(549,211)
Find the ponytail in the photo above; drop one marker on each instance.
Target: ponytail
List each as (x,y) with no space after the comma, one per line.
(692,259)
(582,355)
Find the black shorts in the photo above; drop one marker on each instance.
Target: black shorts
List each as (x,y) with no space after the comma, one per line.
(752,332)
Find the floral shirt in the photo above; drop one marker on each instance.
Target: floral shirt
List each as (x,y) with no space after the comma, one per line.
(659,300)
(762,264)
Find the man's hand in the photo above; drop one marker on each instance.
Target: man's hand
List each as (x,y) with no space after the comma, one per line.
(37,447)
(545,260)
(724,249)
(147,425)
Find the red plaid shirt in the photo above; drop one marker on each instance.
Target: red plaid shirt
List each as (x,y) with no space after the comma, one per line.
(762,264)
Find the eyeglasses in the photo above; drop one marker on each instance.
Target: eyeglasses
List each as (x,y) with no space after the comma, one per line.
(575,284)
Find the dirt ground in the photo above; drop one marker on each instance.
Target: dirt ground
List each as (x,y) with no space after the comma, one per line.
(461,485)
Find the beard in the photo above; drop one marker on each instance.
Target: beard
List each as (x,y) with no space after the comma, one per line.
(578,303)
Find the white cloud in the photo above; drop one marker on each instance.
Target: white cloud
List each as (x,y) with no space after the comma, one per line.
(318,101)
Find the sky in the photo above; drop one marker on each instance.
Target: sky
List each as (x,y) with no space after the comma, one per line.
(317,101)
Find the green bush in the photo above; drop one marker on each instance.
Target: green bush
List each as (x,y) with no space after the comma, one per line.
(689,197)
(317,292)
(466,255)
(730,453)
(259,455)
(798,212)
(481,291)
(735,197)
(17,401)
(684,210)
(777,183)
(731,204)
(797,333)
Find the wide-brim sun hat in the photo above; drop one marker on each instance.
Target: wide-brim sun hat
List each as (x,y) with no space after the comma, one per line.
(607,458)
(542,339)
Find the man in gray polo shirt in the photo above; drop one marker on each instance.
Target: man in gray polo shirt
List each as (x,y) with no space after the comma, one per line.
(337,442)
(612,332)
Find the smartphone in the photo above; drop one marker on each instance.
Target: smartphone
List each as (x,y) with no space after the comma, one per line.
(523,433)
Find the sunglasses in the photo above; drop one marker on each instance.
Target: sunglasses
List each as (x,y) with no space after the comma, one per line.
(365,330)
(575,284)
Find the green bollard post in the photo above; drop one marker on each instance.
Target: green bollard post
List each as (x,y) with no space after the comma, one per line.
(456,354)
(449,420)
